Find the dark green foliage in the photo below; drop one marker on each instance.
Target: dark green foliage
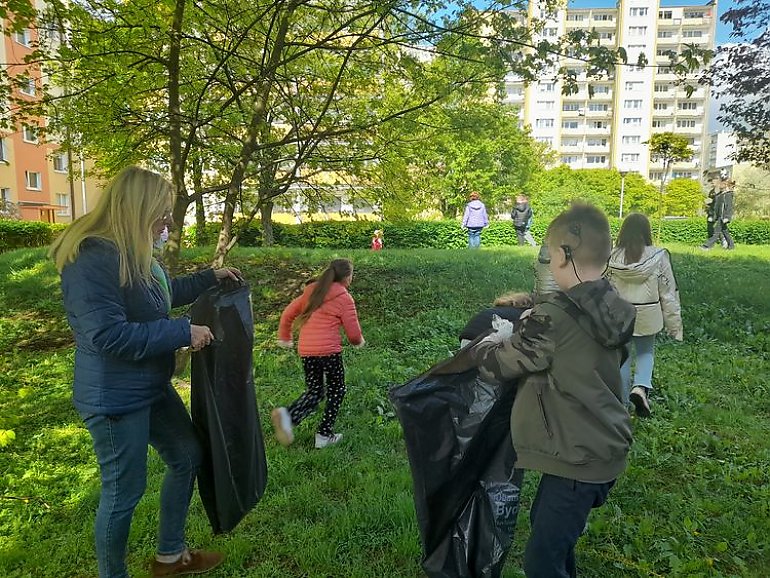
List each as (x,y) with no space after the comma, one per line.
(18,234)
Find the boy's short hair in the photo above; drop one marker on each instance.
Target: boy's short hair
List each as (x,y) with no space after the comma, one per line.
(583,232)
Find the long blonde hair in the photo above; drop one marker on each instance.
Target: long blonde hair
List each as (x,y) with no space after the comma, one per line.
(132,202)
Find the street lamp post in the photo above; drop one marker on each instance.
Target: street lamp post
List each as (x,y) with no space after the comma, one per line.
(622,190)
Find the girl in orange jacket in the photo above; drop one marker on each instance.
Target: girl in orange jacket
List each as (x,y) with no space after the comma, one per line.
(318,313)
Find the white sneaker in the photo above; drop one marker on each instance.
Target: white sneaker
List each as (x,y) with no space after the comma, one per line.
(282,426)
(323,441)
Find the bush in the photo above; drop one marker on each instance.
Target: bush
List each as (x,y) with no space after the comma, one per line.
(18,234)
(450,235)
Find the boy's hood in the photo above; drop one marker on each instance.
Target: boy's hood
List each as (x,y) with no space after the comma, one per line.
(601,312)
(476,204)
(635,272)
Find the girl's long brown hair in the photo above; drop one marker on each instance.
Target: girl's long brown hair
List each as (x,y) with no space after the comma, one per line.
(635,234)
(335,272)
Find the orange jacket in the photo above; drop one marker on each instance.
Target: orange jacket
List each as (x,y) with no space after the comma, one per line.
(320,335)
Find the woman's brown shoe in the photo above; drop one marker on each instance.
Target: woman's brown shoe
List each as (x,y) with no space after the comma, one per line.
(191,562)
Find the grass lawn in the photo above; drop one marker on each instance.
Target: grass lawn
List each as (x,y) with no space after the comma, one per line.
(695,500)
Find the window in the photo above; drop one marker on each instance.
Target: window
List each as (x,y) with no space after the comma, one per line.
(63,200)
(685,124)
(5,195)
(599,124)
(511,90)
(690,14)
(23,37)
(665,33)
(681,175)
(544,123)
(545,87)
(27,86)
(601,89)
(550,32)
(596,159)
(638,12)
(574,17)
(569,159)
(661,88)
(692,33)
(629,158)
(569,124)
(60,163)
(665,15)
(636,47)
(688,106)
(545,104)
(603,18)
(594,107)
(664,70)
(660,106)
(637,30)
(34,183)
(663,52)
(658,124)
(635,139)
(29,134)
(570,107)
(569,142)
(634,85)
(606,35)
(632,121)
(545,139)
(632,104)
(3,151)
(597,142)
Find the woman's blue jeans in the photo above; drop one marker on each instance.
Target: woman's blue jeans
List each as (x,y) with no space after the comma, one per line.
(120,443)
(474,237)
(644,347)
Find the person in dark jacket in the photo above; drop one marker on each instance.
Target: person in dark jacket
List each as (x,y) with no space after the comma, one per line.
(721,211)
(522,215)
(568,420)
(118,298)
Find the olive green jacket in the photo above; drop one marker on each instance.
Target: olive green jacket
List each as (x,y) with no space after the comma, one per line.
(568,419)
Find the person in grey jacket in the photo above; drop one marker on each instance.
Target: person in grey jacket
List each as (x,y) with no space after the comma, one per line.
(642,274)
(475,219)
(118,298)
(721,211)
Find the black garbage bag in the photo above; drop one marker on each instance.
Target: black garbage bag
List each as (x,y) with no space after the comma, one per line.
(233,475)
(466,491)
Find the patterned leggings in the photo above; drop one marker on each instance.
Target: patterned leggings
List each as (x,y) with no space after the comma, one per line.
(315,368)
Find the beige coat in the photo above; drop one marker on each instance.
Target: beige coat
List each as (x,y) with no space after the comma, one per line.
(650,286)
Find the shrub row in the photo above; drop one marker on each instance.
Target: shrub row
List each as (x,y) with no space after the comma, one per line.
(450,235)
(398,235)
(19,234)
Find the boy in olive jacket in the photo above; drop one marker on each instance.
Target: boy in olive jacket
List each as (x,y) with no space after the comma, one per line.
(568,420)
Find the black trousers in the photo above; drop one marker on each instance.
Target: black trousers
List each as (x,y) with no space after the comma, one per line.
(717,231)
(558,516)
(316,368)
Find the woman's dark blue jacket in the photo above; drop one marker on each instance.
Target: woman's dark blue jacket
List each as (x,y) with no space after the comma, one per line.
(125,340)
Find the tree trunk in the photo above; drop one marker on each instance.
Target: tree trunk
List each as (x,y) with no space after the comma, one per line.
(201,237)
(266,212)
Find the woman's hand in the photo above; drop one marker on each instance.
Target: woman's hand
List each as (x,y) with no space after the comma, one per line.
(200,337)
(228,273)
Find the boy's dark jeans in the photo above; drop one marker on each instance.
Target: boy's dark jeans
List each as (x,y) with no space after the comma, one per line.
(558,517)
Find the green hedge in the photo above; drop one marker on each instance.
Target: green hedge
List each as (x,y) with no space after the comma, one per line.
(450,235)
(398,235)
(19,234)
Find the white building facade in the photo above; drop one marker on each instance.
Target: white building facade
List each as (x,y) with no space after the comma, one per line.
(609,128)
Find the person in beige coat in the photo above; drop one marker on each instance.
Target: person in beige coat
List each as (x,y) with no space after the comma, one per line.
(642,274)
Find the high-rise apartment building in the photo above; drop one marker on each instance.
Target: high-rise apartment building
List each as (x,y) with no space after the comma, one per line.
(36,175)
(609,129)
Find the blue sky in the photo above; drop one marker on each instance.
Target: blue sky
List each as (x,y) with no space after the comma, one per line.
(723,31)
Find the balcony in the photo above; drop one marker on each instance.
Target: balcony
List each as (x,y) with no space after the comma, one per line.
(596,131)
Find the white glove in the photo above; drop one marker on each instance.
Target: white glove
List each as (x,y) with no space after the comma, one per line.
(502,327)
(289,344)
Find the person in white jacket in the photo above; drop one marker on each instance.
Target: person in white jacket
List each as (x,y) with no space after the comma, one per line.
(642,275)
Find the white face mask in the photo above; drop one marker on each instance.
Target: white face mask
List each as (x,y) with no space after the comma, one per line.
(162,238)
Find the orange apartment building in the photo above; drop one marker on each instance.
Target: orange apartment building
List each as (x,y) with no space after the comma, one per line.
(34,172)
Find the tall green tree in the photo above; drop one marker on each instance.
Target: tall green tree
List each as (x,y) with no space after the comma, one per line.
(668,148)
(683,198)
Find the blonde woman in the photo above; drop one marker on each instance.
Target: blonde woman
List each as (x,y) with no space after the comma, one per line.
(118,298)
